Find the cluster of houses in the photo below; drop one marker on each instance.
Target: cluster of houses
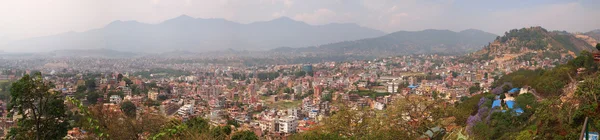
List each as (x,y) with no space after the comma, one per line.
(283,102)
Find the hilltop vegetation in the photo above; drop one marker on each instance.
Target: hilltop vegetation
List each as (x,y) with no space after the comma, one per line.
(551,82)
(532,43)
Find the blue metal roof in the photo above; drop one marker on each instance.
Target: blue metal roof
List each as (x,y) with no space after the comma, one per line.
(412,86)
(514,90)
(510,104)
(593,135)
(496,103)
(519,110)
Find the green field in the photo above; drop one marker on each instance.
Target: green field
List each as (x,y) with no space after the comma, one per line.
(407,74)
(263,97)
(369,93)
(285,104)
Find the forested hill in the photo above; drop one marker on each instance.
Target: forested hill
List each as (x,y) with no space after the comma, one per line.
(407,42)
(532,43)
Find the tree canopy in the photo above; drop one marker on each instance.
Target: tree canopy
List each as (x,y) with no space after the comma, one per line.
(44,114)
(128,108)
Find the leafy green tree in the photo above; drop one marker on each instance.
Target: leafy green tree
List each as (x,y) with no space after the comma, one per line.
(300,73)
(198,124)
(482,131)
(486,75)
(44,114)
(92,97)
(327,97)
(287,90)
(90,84)
(80,92)
(474,88)
(468,106)
(127,81)
(527,102)
(554,118)
(454,74)
(118,126)
(505,89)
(119,77)
(5,90)
(244,135)
(81,89)
(525,135)
(435,95)
(220,132)
(316,135)
(233,122)
(162,97)
(598,46)
(135,90)
(588,93)
(151,85)
(120,93)
(128,108)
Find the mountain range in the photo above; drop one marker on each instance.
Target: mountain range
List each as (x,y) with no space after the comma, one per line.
(197,35)
(285,36)
(408,42)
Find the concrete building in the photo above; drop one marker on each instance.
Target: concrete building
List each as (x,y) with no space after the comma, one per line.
(186,110)
(153,95)
(288,124)
(115,99)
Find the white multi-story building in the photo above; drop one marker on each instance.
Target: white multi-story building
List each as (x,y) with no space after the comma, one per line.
(186,110)
(115,99)
(313,113)
(379,106)
(292,112)
(288,124)
(190,78)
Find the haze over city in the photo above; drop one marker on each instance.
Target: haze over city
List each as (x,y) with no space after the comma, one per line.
(28,18)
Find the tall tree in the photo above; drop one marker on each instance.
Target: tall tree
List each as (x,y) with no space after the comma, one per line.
(92,97)
(128,108)
(116,125)
(90,84)
(43,111)
(119,77)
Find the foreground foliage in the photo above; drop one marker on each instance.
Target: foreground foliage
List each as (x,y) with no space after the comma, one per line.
(42,111)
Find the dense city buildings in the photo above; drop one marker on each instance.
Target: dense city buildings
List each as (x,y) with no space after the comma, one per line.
(275,100)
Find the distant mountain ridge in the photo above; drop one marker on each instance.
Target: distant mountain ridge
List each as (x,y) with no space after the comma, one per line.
(408,42)
(533,43)
(196,34)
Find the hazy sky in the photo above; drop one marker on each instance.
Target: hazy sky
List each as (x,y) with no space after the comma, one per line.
(21,19)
